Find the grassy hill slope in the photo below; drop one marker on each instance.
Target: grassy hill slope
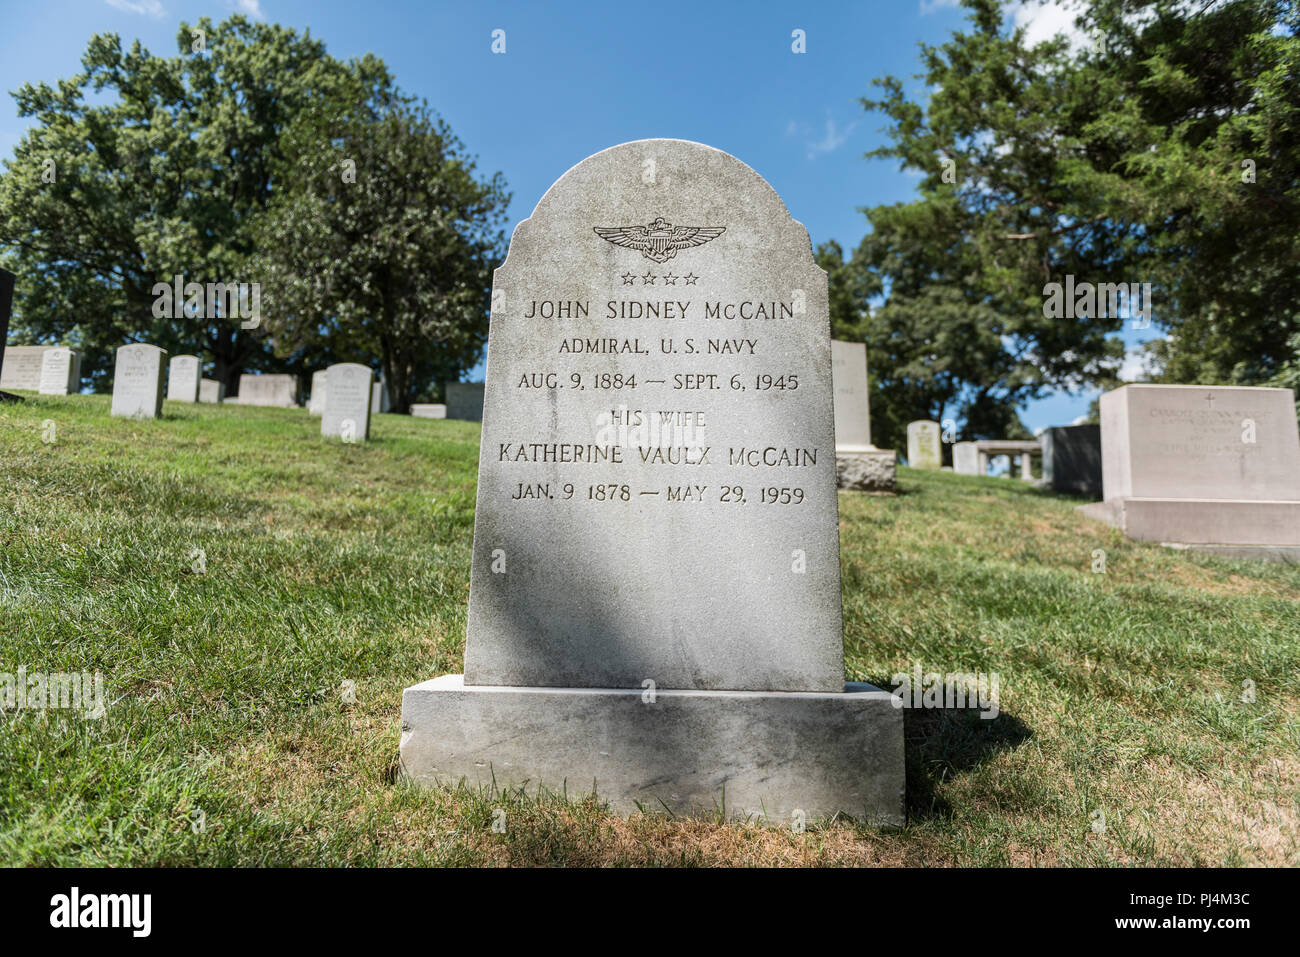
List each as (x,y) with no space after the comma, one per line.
(229,572)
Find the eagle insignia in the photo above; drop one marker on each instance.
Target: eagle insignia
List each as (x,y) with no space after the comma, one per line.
(660,240)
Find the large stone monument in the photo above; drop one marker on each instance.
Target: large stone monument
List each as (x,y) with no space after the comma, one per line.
(654,607)
(465,401)
(1215,468)
(924,450)
(138,381)
(1072,459)
(347,411)
(183,376)
(60,371)
(858,464)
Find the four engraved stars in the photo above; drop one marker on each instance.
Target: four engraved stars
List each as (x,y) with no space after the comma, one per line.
(649,278)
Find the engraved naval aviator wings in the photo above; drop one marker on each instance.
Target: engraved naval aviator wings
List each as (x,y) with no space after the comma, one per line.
(659,240)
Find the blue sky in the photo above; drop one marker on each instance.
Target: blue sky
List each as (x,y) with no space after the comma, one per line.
(579,77)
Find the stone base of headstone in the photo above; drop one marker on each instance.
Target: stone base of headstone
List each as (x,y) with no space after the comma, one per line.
(766,754)
(1235,523)
(872,470)
(1289,554)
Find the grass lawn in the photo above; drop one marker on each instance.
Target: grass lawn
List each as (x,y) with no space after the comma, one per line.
(1122,739)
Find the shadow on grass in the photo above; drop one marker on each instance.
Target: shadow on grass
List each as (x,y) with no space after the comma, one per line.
(942,742)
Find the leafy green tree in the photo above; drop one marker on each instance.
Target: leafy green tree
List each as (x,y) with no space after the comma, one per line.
(1123,162)
(103,200)
(380,241)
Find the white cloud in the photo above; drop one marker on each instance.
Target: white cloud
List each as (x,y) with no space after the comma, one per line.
(251,7)
(933,6)
(1138,365)
(152,8)
(1080,420)
(832,136)
(1042,21)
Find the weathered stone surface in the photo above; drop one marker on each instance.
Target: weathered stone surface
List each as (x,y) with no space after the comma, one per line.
(60,372)
(347,410)
(648,564)
(138,381)
(1201,465)
(22,367)
(1072,459)
(211,391)
(465,401)
(867,471)
(752,753)
(429,410)
(923,448)
(277,389)
(657,511)
(183,376)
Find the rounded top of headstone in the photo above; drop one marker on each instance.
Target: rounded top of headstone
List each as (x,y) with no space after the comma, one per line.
(671,201)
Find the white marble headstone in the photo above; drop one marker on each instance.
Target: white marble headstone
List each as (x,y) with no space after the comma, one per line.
(138,381)
(183,375)
(923,448)
(347,412)
(60,372)
(316,404)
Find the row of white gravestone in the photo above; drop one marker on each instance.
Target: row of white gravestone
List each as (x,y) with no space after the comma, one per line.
(49,370)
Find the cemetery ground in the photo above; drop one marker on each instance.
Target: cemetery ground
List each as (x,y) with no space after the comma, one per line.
(1122,739)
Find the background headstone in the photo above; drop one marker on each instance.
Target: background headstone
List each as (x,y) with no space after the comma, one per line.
(859,465)
(924,450)
(138,381)
(1072,459)
(429,410)
(849,375)
(60,371)
(183,376)
(966,458)
(211,391)
(666,520)
(379,397)
(465,401)
(274,389)
(347,413)
(316,404)
(22,367)
(1208,466)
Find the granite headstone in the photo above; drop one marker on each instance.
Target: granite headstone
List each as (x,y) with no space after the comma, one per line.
(654,603)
